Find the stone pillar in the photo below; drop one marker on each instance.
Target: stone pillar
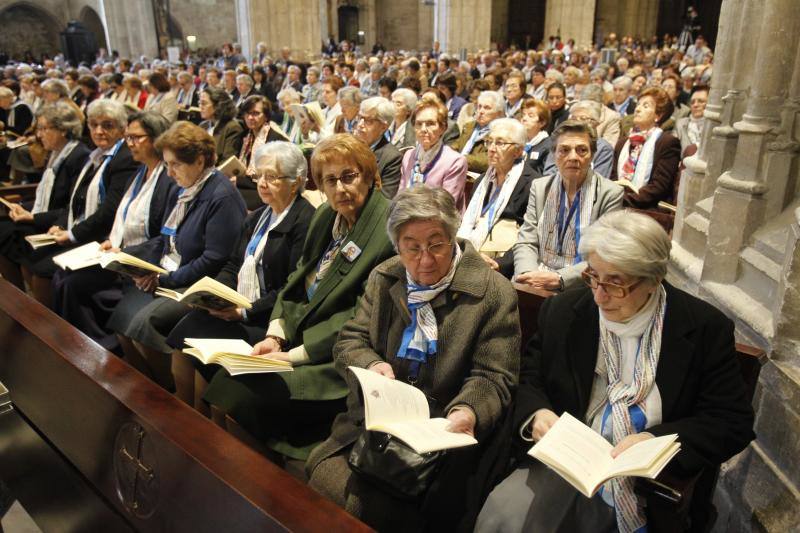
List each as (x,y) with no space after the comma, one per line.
(572,19)
(739,201)
(131,27)
(292,23)
(499,33)
(463,24)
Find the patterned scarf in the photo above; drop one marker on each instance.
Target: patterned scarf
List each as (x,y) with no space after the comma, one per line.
(339,234)
(45,187)
(636,157)
(178,213)
(622,397)
(421,335)
(560,227)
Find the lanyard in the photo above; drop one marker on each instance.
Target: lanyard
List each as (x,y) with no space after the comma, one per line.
(432,164)
(562,225)
(137,187)
(491,205)
(266,218)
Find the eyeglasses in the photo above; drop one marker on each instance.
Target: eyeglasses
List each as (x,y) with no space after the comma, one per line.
(369,121)
(135,139)
(425,125)
(347,177)
(612,289)
(498,143)
(437,249)
(564,151)
(271,179)
(107,125)
(254,114)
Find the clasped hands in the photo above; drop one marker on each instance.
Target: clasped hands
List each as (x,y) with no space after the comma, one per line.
(61,235)
(545,418)
(550,281)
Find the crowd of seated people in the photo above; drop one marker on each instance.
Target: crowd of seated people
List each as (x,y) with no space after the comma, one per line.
(438,183)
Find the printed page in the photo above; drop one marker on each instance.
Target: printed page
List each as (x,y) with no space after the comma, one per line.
(427,435)
(208,347)
(641,458)
(571,446)
(80,257)
(388,400)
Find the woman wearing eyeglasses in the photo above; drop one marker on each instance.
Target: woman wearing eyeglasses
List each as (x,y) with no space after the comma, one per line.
(86,297)
(633,358)
(432,163)
(290,413)
(560,208)
(437,317)
(269,247)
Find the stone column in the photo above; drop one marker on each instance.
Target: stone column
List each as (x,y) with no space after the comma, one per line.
(739,201)
(292,23)
(572,19)
(463,24)
(131,27)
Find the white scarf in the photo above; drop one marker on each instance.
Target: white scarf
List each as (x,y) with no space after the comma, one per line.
(539,137)
(249,281)
(131,223)
(45,187)
(474,226)
(93,192)
(477,136)
(644,165)
(622,396)
(548,228)
(178,213)
(399,133)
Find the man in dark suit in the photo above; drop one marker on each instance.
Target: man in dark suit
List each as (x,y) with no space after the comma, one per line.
(374,118)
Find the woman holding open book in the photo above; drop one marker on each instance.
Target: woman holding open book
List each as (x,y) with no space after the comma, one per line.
(633,358)
(291,412)
(439,318)
(196,239)
(86,297)
(269,247)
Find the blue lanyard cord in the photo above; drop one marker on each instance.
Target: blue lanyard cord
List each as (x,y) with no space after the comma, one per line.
(432,164)
(562,225)
(107,159)
(138,182)
(166,230)
(259,233)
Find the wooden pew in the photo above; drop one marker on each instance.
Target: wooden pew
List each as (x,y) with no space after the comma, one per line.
(19,193)
(89,444)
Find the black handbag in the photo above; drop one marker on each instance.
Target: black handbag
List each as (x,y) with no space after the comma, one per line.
(392,465)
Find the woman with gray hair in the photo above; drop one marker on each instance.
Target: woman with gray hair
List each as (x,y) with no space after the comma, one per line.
(95,194)
(268,250)
(633,358)
(58,127)
(438,318)
(500,197)
(401,130)
(349,99)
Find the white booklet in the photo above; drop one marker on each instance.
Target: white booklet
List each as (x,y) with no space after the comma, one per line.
(80,257)
(40,240)
(234,356)
(583,457)
(401,410)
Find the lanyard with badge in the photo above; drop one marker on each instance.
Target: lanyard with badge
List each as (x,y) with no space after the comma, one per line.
(418,176)
(562,225)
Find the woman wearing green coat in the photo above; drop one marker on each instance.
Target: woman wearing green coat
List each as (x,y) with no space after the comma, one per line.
(292,412)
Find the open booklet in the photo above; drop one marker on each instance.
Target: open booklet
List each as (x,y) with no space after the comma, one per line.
(401,410)
(232,167)
(6,203)
(40,240)
(583,457)
(81,257)
(234,356)
(128,265)
(208,293)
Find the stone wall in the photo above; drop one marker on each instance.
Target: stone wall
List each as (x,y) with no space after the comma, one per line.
(213,22)
(572,19)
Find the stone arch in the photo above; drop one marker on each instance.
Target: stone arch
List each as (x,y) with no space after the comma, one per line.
(94,24)
(29,29)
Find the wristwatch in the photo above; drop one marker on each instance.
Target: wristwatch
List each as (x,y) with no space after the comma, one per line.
(281,342)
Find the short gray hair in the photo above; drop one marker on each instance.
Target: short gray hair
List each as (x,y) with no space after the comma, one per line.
(62,117)
(152,122)
(58,87)
(246,79)
(291,94)
(592,92)
(634,243)
(351,95)
(553,74)
(103,107)
(590,106)
(497,99)
(289,157)
(514,128)
(384,110)
(623,81)
(422,203)
(409,98)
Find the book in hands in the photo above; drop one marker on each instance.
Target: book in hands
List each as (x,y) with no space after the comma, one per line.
(582,456)
(81,257)
(234,356)
(40,240)
(401,410)
(8,205)
(628,184)
(232,167)
(128,265)
(209,294)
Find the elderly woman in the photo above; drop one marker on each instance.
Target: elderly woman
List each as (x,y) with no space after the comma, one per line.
(432,162)
(648,157)
(500,198)
(291,412)
(161,100)
(401,130)
(535,118)
(135,95)
(291,128)
(269,247)
(460,347)
(59,128)
(86,297)
(328,97)
(633,358)
(57,91)
(312,87)
(490,106)
(196,239)
(219,120)
(560,207)
(95,195)
(375,116)
(349,101)
(256,111)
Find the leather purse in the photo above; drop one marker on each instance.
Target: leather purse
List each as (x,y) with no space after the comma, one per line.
(392,465)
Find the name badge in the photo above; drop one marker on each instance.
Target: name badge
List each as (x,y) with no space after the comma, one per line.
(350,251)
(535,155)
(171,262)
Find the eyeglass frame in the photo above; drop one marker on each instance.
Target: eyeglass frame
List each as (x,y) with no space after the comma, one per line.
(135,139)
(103,125)
(331,181)
(415,254)
(489,142)
(272,180)
(589,278)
